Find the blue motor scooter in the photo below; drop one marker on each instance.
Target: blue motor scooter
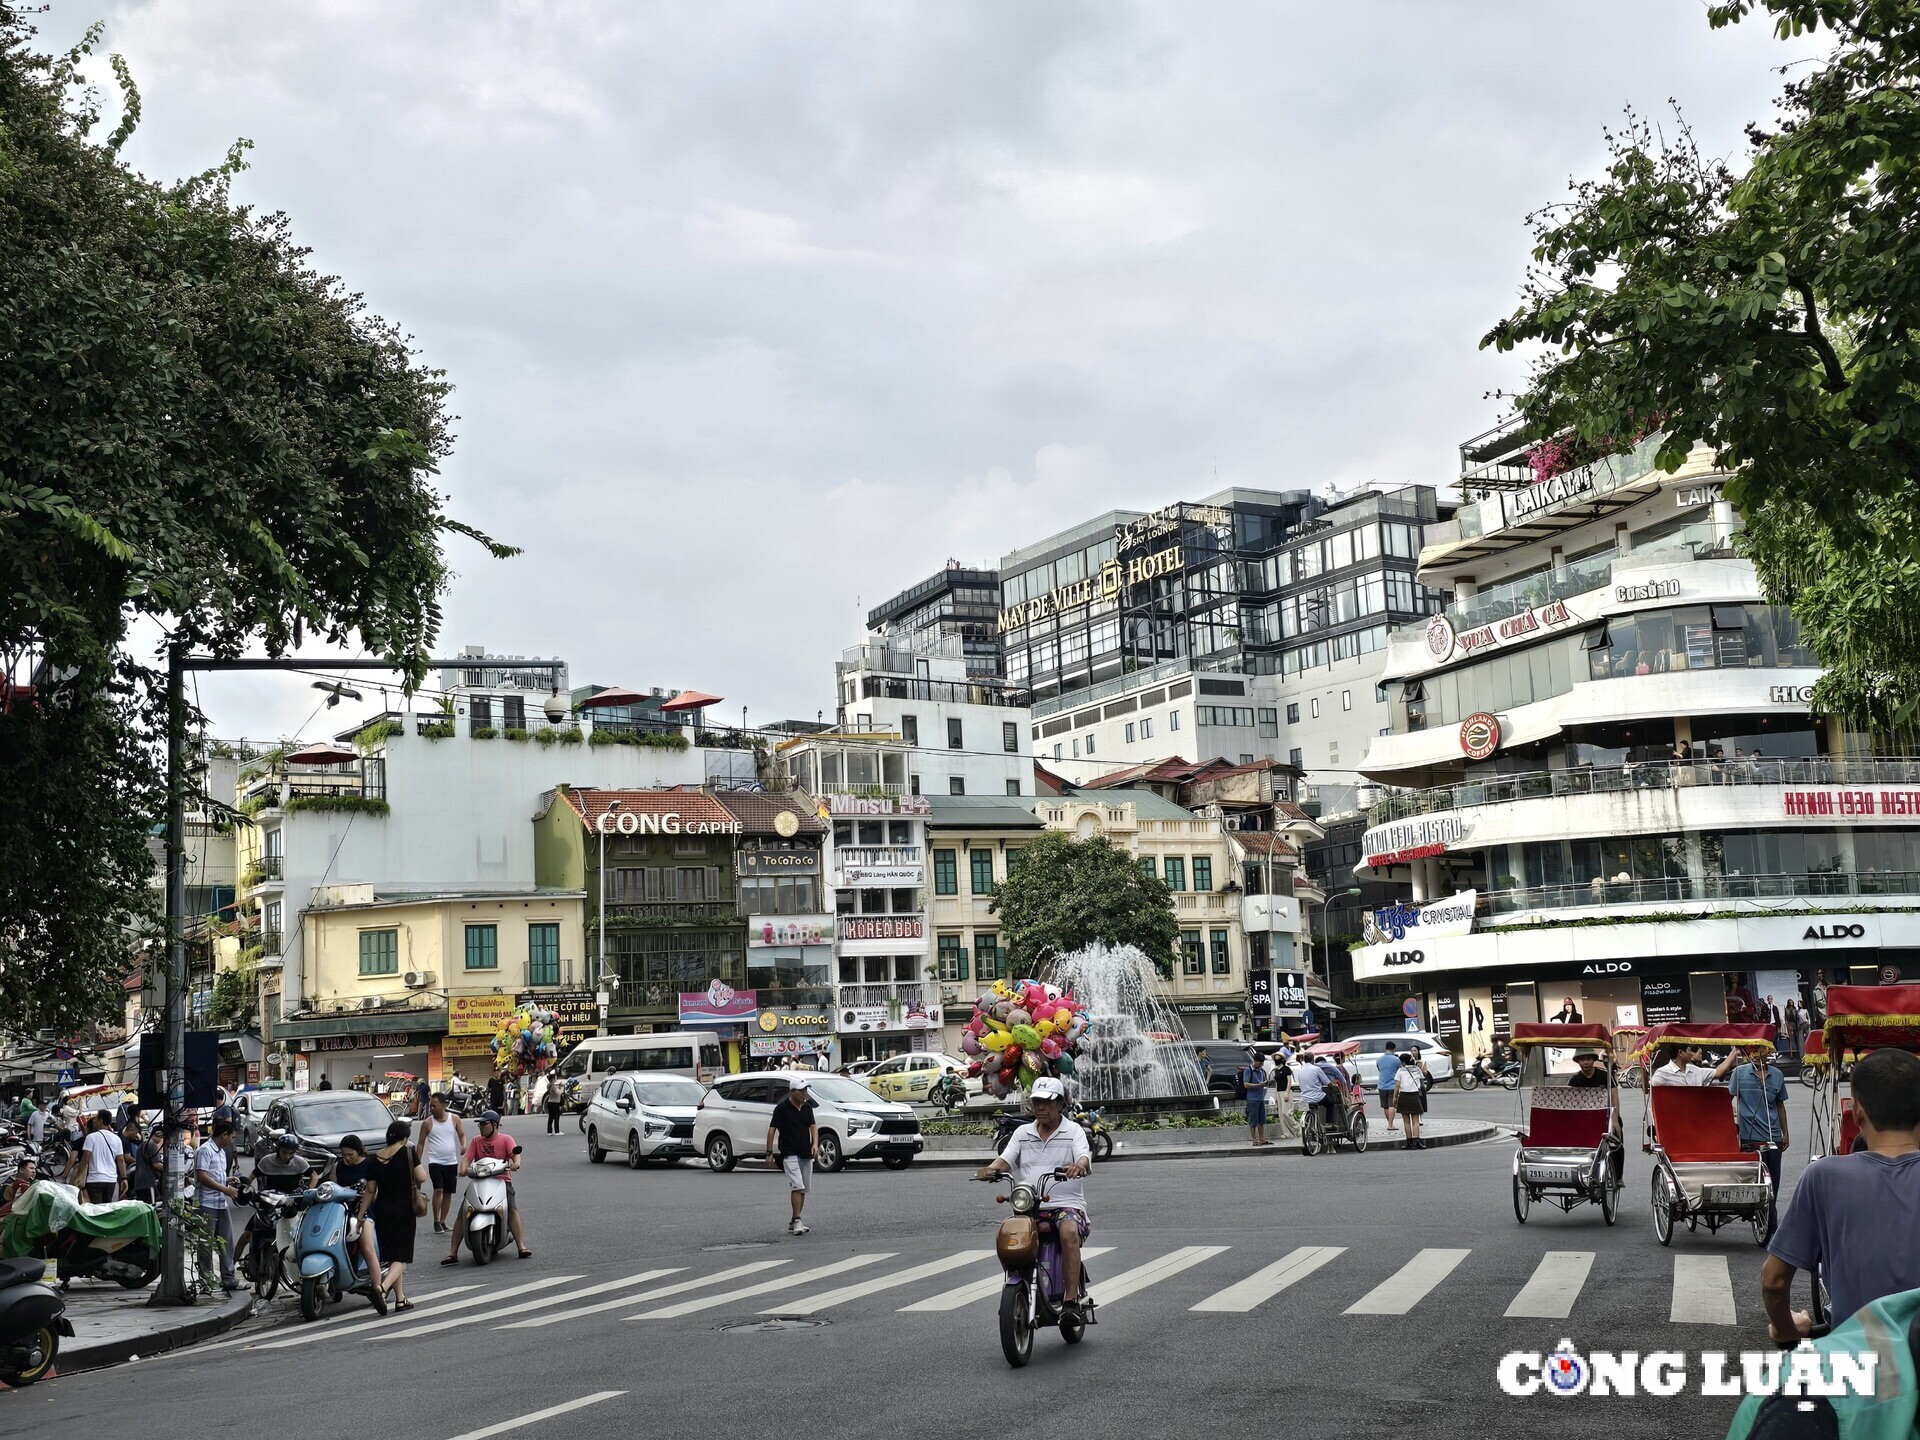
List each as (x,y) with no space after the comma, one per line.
(331,1265)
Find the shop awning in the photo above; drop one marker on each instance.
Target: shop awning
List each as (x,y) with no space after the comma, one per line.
(387,1022)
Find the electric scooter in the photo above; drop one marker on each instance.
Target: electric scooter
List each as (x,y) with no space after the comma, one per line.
(1028,1246)
(332,1264)
(33,1317)
(487,1209)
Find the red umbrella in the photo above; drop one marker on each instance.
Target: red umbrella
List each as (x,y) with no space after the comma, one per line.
(691,700)
(322,755)
(613,699)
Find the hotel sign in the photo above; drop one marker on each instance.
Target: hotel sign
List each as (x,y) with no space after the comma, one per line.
(1167,520)
(1114,577)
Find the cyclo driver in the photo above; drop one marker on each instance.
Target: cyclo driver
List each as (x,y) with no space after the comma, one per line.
(1047,1143)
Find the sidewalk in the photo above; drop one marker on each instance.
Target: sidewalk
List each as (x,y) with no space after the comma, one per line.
(1213,1143)
(111,1325)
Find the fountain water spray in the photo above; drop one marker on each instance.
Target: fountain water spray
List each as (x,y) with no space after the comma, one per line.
(1118,1060)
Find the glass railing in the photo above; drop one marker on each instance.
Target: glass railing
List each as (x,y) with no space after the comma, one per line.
(1648,775)
(1501,602)
(1686,889)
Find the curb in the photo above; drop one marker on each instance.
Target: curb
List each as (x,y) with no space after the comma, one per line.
(1128,1153)
(197,1323)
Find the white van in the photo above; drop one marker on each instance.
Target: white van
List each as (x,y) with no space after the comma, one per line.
(692,1053)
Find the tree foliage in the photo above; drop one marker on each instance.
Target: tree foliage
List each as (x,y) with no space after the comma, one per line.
(198,429)
(1770,310)
(1067,893)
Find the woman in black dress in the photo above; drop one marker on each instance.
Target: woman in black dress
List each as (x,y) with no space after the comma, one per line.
(394,1176)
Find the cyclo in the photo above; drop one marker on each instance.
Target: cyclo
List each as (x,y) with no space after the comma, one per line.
(1700,1173)
(1317,1132)
(1570,1148)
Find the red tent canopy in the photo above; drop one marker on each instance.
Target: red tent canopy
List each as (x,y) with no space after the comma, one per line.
(322,755)
(1683,1032)
(690,700)
(1570,1037)
(613,699)
(1864,1017)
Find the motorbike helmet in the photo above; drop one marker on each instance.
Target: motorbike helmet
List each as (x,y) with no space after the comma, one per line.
(286,1140)
(489,1117)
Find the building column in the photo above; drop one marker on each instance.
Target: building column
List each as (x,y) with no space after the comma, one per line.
(1465,587)
(1621,544)
(1419,868)
(1722,523)
(1557,562)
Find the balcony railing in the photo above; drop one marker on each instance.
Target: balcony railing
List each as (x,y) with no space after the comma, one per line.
(271,867)
(906,993)
(1649,775)
(1821,884)
(664,995)
(677,912)
(878,855)
(269,942)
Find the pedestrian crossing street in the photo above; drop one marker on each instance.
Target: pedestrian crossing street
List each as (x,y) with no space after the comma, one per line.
(1213,1280)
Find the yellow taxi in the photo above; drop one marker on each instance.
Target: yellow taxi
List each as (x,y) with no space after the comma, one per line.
(910,1077)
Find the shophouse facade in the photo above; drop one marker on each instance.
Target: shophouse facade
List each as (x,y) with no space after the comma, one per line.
(962,733)
(1609,793)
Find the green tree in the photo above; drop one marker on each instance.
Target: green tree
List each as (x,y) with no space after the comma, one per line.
(196,430)
(1769,310)
(1068,893)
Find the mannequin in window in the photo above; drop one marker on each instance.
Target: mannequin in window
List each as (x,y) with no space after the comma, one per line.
(1567,1014)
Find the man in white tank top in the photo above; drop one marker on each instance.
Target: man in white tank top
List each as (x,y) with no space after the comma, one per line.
(442,1142)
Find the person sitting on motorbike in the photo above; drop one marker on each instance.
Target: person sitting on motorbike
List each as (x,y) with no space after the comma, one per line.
(351,1170)
(1047,1143)
(490,1144)
(23,1179)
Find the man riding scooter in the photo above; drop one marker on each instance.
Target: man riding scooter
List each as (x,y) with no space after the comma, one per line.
(1047,1143)
(490,1144)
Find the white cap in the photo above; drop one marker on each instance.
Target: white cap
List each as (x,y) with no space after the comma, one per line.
(801,1082)
(1048,1088)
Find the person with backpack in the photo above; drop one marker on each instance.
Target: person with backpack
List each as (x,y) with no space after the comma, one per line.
(1253,1079)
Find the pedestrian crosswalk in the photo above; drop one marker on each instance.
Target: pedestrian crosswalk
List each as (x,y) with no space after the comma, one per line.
(1216,1280)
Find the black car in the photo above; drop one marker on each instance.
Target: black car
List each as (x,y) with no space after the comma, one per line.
(320,1118)
(1223,1062)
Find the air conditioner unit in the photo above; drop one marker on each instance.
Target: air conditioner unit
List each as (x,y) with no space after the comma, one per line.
(370,1002)
(419,979)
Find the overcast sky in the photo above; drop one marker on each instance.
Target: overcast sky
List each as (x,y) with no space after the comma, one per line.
(758,313)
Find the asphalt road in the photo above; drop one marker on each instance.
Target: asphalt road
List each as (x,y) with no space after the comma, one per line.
(1429,1238)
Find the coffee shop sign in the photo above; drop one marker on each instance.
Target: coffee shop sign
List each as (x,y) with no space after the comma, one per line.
(631,822)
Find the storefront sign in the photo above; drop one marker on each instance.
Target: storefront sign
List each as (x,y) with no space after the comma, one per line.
(877,875)
(876,805)
(1479,735)
(1790,694)
(922,1017)
(478,1014)
(1411,839)
(759,863)
(718,1004)
(1401,958)
(1290,992)
(397,1040)
(1446,1015)
(765,930)
(466,1047)
(864,1017)
(1517,505)
(883,927)
(576,1013)
(788,1045)
(1208,1007)
(1665,1002)
(1260,994)
(1833,803)
(795,1020)
(1841,933)
(1687,497)
(1651,590)
(1441,637)
(1551,616)
(1502,1019)
(633,822)
(1452,916)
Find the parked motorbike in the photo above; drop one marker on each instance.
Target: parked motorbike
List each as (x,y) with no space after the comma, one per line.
(118,1242)
(273,1236)
(331,1264)
(487,1202)
(33,1317)
(949,1092)
(1099,1137)
(1005,1122)
(1028,1247)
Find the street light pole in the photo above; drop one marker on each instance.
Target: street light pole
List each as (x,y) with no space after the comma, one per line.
(600,982)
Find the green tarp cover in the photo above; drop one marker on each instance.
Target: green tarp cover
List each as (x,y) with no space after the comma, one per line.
(47,1206)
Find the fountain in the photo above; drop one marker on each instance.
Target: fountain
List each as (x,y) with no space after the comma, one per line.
(1122,1059)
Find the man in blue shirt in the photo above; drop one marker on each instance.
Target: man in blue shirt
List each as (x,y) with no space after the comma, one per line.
(1760,1114)
(1389,1071)
(1317,1089)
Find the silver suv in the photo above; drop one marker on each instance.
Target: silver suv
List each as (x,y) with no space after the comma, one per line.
(1439,1058)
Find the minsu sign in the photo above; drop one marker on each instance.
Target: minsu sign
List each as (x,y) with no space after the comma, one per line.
(633,822)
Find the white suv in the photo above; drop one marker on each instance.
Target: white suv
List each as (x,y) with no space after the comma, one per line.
(1439,1058)
(854,1123)
(648,1116)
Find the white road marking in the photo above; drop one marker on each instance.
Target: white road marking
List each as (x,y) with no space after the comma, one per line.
(1153,1272)
(1263,1285)
(521,1420)
(785,1282)
(1702,1291)
(628,1301)
(1408,1285)
(1553,1287)
(486,1297)
(329,1320)
(984,1289)
(828,1298)
(543,1301)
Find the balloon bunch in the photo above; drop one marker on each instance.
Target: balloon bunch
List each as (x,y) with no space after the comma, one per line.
(1022,1030)
(527,1043)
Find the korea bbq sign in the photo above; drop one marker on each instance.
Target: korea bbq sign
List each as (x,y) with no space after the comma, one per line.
(1837,803)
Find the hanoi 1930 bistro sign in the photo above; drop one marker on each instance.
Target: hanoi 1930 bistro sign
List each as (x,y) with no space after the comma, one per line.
(1412,839)
(1835,803)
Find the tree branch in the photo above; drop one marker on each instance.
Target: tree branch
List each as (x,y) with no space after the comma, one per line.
(1836,381)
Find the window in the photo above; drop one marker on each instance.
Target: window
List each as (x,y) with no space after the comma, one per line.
(1222,958)
(482,711)
(379,952)
(1145,863)
(483,947)
(1076,747)
(956,785)
(1056,748)
(950,960)
(1146,729)
(1013,861)
(1296,758)
(274,911)
(1203,872)
(954,740)
(986,957)
(1013,787)
(1010,737)
(1129,732)
(1089,744)
(1246,758)
(913,783)
(1193,959)
(515,708)
(1176,872)
(543,954)
(1293,714)
(910,729)
(1346,699)
(1269,724)
(946,876)
(1173,720)
(980,863)
(1313,707)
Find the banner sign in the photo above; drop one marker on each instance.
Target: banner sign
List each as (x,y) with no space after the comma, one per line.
(864,1017)
(1446,1014)
(576,1013)
(1432,921)
(788,1045)
(718,1004)
(479,1014)
(878,875)
(466,1047)
(1665,1002)
(1260,994)
(768,930)
(1502,1021)
(1290,992)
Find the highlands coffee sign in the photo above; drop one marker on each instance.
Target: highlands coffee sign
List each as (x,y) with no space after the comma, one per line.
(1112,578)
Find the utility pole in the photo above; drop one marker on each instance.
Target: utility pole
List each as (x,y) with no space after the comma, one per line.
(600,983)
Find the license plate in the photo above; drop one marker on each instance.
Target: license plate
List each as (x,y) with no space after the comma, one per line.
(1735,1194)
(1548,1174)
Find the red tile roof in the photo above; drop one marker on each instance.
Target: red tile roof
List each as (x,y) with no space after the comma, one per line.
(687,801)
(756,810)
(1261,842)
